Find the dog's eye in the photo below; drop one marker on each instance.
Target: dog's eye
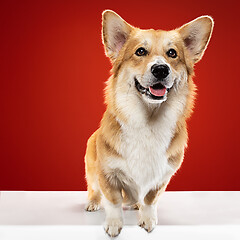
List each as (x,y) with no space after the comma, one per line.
(172,53)
(141,51)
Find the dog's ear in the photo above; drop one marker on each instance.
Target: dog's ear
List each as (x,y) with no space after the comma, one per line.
(196,35)
(115,32)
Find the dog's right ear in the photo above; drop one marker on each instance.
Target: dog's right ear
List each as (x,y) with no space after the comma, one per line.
(115,32)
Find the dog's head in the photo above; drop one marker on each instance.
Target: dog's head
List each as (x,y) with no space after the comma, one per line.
(150,63)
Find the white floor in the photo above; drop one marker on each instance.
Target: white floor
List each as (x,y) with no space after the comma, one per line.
(61,215)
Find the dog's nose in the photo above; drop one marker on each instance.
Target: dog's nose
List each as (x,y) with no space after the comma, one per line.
(160,71)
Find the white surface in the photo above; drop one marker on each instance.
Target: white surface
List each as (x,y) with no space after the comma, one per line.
(127,233)
(61,215)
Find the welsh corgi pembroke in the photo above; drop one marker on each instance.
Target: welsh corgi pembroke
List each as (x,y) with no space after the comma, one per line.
(140,143)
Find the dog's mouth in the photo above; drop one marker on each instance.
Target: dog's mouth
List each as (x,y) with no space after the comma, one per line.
(156,91)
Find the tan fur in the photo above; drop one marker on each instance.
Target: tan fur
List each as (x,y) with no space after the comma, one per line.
(152,195)
(105,143)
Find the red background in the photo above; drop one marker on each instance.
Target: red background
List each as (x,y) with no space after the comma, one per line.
(52,75)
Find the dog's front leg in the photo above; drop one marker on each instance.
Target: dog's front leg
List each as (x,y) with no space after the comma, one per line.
(112,201)
(148,211)
(148,216)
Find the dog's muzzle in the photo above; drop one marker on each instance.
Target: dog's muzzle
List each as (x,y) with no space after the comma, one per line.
(157,90)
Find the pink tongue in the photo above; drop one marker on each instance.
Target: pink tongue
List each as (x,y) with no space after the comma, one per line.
(157,92)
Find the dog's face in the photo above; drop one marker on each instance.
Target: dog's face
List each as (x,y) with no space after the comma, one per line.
(150,63)
(155,61)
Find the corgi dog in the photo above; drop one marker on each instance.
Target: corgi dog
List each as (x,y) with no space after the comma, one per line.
(140,143)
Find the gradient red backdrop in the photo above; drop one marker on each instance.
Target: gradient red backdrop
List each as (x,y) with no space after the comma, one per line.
(53,70)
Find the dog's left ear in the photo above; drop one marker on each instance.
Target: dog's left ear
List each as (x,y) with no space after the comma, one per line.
(115,32)
(196,35)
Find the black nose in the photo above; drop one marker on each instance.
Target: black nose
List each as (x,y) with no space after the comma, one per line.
(160,71)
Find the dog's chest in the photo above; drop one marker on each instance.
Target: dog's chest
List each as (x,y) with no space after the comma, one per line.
(144,151)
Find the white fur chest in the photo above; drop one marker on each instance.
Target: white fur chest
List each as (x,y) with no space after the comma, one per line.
(146,161)
(144,149)
(145,140)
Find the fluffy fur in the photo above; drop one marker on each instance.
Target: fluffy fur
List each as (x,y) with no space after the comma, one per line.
(140,143)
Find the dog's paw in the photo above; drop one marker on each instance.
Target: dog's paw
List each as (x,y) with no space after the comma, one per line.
(92,206)
(147,223)
(113,226)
